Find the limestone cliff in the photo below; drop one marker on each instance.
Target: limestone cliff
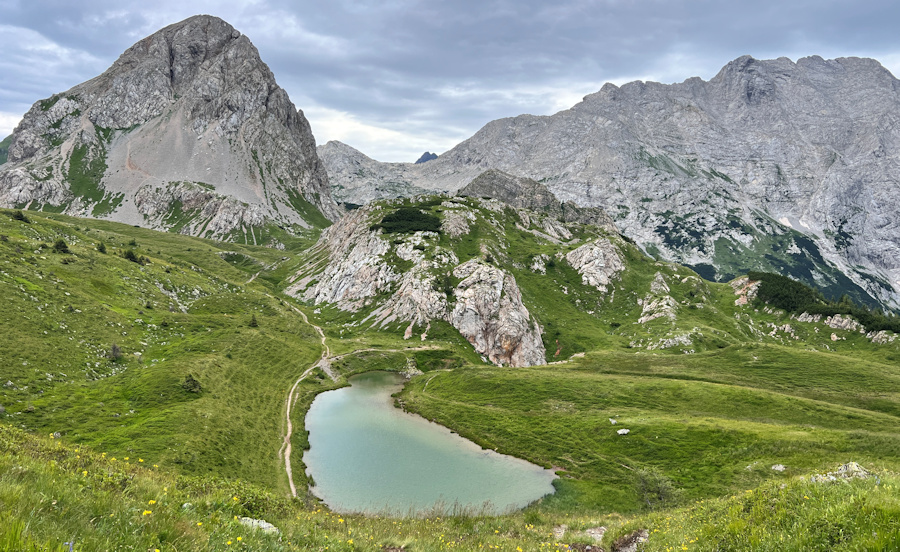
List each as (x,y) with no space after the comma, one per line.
(490,314)
(464,275)
(187,130)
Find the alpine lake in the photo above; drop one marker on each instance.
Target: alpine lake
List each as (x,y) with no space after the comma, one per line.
(368,456)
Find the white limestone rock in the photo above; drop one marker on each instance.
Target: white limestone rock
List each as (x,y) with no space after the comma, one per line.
(598,262)
(490,314)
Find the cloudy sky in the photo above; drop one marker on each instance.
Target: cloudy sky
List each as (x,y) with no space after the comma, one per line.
(394,78)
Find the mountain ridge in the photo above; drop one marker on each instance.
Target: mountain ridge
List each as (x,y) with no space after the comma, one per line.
(706,172)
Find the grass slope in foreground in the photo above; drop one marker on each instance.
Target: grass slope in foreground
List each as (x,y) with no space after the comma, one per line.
(52,493)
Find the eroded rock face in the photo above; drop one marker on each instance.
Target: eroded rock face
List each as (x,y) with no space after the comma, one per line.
(746,290)
(352,267)
(489,313)
(190,106)
(598,262)
(418,298)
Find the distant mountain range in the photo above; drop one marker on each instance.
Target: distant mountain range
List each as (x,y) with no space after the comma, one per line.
(770,165)
(773,165)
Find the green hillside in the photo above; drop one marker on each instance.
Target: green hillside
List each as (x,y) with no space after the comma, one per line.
(101,349)
(140,366)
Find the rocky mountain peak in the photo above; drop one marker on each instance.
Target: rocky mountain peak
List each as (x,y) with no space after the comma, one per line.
(189,114)
(426,157)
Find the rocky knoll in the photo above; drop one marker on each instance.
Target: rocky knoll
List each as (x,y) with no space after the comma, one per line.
(187,130)
(774,165)
(525,193)
(413,280)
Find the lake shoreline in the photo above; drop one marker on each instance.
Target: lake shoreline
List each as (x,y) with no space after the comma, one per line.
(368,455)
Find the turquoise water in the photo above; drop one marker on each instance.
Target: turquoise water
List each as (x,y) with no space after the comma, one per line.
(368,456)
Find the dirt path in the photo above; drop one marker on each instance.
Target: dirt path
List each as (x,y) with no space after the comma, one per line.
(285,450)
(324,363)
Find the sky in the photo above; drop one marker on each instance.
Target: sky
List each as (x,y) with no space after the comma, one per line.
(394,78)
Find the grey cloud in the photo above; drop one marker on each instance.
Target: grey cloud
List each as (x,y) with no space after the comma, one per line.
(389,63)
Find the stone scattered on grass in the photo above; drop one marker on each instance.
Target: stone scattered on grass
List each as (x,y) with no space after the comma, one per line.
(260,524)
(624,431)
(630,542)
(850,470)
(595,533)
(779,467)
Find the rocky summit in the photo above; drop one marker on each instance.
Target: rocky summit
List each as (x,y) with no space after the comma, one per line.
(773,165)
(186,131)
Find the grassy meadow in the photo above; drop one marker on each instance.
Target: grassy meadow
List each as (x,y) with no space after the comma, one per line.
(694,434)
(143,379)
(99,348)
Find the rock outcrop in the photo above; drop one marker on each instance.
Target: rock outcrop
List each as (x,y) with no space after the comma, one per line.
(770,165)
(187,130)
(409,280)
(525,193)
(839,322)
(490,314)
(598,262)
(658,303)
